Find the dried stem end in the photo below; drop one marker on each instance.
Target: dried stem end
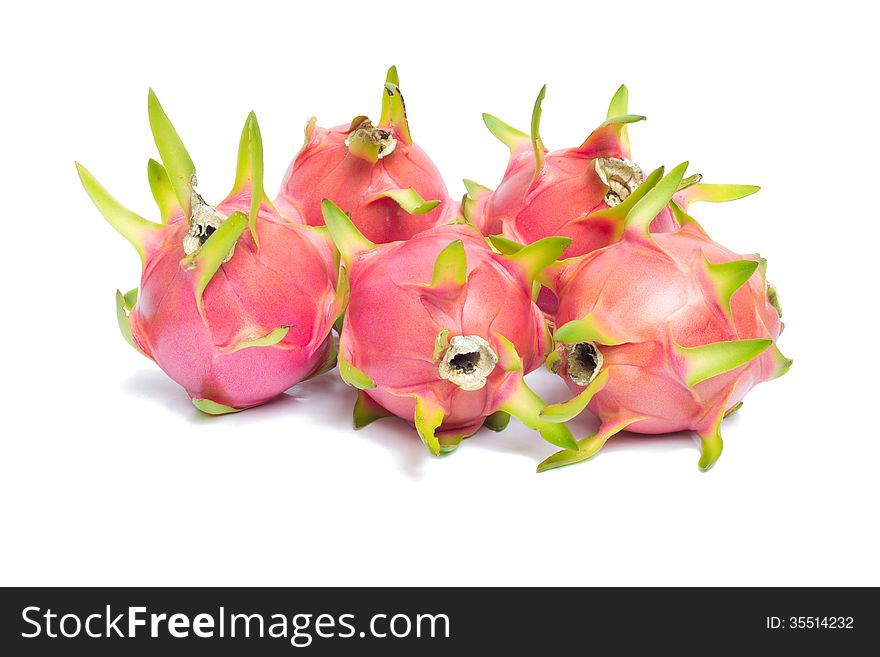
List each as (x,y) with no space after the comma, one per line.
(204,221)
(583,362)
(366,133)
(467,362)
(621,176)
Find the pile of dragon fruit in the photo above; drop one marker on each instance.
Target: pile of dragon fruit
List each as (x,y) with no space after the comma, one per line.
(578,261)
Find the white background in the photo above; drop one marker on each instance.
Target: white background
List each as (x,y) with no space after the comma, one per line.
(109,476)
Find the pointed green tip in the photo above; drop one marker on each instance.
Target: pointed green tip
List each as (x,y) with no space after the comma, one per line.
(474,189)
(705,361)
(568,410)
(450,268)
(348,239)
(367,410)
(428,417)
(714,193)
(214,408)
(617,215)
(728,277)
(639,218)
(176,159)
(508,358)
(393,107)
(408,199)
(392,77)
(710,449)
(124,305)
(614,127)
(772,292)
(526,406)
(514,139)
(781,364)
(587,447)
(677,174)
(140,232)
(613,131)
(503,245)
(624,120)
(352,375)
(537,256)
(243,172)
(162,191)
(308,130)
(560,459)
(619,102)
(733,409)
(537,143)
(270,339)
(498,421)
(449,444)
(255,153)
(130,299)
(343,292)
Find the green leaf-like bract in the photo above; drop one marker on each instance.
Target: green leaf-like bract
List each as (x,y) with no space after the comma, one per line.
(176,159)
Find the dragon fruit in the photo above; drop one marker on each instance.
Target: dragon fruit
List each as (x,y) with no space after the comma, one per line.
(570,192)
(440,331)
(376,172)
(236,303)
(662,332)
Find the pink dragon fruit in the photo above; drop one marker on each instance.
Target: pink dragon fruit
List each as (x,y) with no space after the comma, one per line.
(663,332)
(236,303)
(440,331)
(376,172)
(570,192)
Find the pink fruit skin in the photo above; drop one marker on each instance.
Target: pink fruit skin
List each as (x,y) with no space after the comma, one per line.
(288,281)
(648,297)
(325,168)
(563,194)
(393,343)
